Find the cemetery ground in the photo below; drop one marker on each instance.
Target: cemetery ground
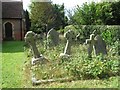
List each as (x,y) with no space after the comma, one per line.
(83,72)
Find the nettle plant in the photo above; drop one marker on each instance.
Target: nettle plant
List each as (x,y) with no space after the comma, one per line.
(97,68)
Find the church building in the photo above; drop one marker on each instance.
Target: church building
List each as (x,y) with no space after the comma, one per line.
(13,22)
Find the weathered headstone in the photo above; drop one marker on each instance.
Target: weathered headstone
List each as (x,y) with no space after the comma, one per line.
(97,44)
(90,43)
(52,37)
(70,36)
(100,46)
(30,38)
(40,38)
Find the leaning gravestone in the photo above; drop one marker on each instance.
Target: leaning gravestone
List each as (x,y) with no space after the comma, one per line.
(100,46)
(30,38)
(70,36)
(90,43)
(52,37)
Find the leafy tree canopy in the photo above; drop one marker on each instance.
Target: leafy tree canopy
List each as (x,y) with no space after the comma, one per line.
(45,15)
(104,13)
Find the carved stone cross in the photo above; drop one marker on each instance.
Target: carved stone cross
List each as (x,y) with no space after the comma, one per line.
(30,38)
(96,43)
(90,43)
(70,36)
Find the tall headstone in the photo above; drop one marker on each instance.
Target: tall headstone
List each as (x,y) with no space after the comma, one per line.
(70,36)
(52,37)
(100,46)
(30,38)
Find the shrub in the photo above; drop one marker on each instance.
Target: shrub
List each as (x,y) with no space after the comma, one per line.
(95,68)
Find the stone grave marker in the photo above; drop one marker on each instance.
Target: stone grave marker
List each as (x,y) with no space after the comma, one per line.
(52,37)
(70,37)
(30,38)
(100,46)
(40,38)
(97,44)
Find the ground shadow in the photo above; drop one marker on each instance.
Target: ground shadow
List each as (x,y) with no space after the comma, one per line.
(12,46)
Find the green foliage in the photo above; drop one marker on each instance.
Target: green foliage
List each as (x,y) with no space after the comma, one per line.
(115,48)
(116,13)
(45,15)
(27,20)
(104,13)
(41,14)
(95,68)
(61,19)
(109,33)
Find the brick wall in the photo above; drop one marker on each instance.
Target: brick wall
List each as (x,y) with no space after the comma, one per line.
(16,28)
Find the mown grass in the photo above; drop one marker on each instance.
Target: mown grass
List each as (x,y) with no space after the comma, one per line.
(12,64)
(0,65)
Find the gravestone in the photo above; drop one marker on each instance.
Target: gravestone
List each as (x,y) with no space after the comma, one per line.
(70,37)
(30,38)
(90,43)
(52,37)
(40,38)
(100,46)
(97,44)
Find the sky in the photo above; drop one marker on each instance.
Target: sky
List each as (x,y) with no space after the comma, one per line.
(69,4)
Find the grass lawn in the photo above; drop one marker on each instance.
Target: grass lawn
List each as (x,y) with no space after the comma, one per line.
(12,64)
(0,64)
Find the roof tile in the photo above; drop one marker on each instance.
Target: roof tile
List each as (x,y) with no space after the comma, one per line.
(12,9)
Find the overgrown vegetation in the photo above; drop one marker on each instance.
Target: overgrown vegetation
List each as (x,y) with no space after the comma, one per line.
(79,66)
